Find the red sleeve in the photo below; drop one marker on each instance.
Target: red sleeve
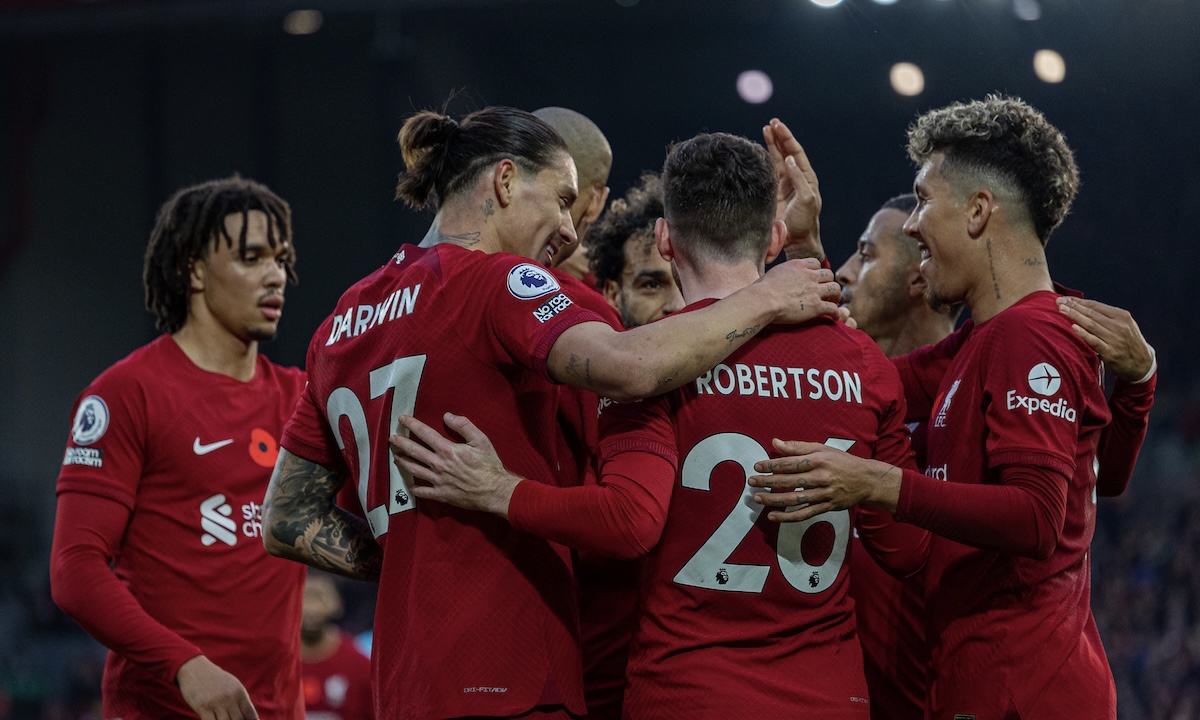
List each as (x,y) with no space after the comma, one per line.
(1122,438)
(87,532)
(307,433)
(1023,515)
(526,309)
(107,447)
(621,517)
(899,548)
(921,372)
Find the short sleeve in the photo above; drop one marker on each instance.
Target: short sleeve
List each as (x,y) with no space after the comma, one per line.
(307,433)
(106,449)
(526,309)
(643,426)
(1037,378)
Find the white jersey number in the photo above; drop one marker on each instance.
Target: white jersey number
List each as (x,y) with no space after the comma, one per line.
(402,376)
(709,568)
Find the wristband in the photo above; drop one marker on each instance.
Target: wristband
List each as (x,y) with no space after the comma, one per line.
(1153,368)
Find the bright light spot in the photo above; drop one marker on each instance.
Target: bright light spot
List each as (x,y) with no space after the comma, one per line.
(755,87)
(1027,9)
(302,22)
(907,79)
(827,3)
(1049,66)
(886,2)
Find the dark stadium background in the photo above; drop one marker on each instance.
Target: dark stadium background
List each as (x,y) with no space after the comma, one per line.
(107,107)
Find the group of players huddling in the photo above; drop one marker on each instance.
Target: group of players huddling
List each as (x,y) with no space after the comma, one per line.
(671,484)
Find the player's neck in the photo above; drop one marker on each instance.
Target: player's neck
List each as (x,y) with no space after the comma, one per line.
(461,223)
(920,327)
(322,648)
(715,280)
(1009,268)
(216,350)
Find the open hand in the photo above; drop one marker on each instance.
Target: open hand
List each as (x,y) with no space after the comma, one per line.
(798,199)
(213,693)
(1113,334)
(821,479)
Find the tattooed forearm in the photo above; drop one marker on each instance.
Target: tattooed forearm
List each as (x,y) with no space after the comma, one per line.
(302,523)
(748,332)
(463,239)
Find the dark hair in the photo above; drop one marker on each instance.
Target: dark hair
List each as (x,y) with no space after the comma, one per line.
(905,203)
(719,196)
(192,222)
(1011,143)
(631,216)
(443,156)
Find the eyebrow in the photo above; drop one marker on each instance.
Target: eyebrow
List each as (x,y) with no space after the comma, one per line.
(653,274)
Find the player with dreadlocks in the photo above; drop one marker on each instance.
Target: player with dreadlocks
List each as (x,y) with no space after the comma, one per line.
(156,541)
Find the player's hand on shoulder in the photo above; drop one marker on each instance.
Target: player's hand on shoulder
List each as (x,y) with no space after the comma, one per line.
(801,290)
(1113,334)
(212,692)
(467,475)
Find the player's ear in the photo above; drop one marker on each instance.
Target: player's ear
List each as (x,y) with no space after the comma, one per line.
(196,270)
(916,284)
(778,240)
(979,210)
(662,239)
(504,178)
(596,206)
(611,292)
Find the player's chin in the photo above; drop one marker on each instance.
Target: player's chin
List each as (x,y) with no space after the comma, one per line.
(263,332)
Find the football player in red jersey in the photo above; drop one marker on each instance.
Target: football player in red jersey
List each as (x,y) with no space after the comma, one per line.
(474,617)
(337,677)
(1015,408)
(168,457)
(718,586)
(593,161)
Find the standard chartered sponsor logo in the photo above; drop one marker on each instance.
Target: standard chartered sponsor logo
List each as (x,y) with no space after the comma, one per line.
(217,524)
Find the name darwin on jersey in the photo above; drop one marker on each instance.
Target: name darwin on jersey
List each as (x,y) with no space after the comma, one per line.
(360,318)
(781,382)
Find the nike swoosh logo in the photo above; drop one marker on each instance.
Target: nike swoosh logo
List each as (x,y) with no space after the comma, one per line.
(206,449)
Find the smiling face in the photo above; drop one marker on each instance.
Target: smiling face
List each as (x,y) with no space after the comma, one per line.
(537,223)
(242,291)
(874,279)
(647,290)
(939,224)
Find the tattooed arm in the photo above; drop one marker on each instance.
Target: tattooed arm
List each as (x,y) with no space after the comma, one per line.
(302,523)
(667,353)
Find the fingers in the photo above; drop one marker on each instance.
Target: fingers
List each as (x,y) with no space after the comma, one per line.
(1091,308)
(425,434)
(844,316)
(416,470)
(1093,341)
(779,481)
(800,514)
(786,500)
(248,710)
(409,448)
(791,147)
(831,291)
(792,447)
(467,430)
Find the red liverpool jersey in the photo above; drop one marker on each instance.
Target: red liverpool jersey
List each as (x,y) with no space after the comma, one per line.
(190,452)
(741,617)
(474,617)
(1012,635)
(339,687)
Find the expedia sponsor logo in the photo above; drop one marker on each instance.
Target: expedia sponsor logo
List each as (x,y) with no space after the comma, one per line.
(91,457)
(552,307)
(1043,379)
(1058,408)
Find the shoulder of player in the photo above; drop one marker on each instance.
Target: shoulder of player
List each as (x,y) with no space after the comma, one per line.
(144,366)
(586,295)
(1034,322)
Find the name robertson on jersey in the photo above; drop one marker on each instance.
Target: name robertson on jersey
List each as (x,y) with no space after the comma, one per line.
(775,382)
(361,318)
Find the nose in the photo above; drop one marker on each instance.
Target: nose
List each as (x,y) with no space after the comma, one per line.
(566,229)
(910,225)
(846,274)
(675,303)
(275,276)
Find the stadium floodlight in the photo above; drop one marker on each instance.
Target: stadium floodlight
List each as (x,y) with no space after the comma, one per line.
(302,22)
(754,86)
(886,2)
(907,79)
(1029,10)
(1049,66)
(826,3)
